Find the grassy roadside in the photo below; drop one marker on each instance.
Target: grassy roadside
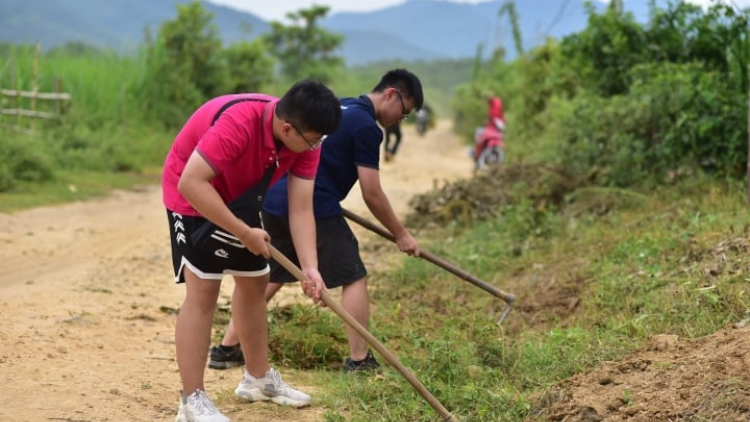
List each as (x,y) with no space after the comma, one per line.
(69,186)
(595,276)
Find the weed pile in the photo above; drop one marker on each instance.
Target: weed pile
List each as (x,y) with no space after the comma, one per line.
(479,198)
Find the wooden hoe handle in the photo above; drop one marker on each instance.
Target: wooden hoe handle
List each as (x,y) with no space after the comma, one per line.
(509,298)
(339,310)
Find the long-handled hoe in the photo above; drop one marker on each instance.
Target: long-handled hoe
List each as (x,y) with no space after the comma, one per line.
(509,298)
(339,310)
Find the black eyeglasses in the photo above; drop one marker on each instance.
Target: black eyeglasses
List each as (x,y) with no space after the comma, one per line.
(311,144)
(404,112)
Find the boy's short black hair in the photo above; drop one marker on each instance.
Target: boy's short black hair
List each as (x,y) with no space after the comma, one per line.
(405,82)
(311,106)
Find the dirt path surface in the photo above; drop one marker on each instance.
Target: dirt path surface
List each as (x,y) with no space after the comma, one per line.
(83,293)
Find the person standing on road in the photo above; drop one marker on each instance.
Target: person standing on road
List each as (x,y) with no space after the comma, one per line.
(215,176)
(392,140)
(350,154)
(423,119)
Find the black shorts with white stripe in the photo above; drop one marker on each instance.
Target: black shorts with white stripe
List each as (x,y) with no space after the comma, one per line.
(209,251)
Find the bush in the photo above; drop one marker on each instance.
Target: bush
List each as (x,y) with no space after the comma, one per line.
(675,119)
(23,161)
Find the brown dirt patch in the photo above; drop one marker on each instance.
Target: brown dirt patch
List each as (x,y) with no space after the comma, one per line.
(670,379)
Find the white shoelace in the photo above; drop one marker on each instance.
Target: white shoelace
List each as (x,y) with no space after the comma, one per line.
(275,376)
(202,404)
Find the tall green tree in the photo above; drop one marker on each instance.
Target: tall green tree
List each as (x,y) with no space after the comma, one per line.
(185,65)
(249,65)
(305,50)
(661,99)
(509,8)
(604,52)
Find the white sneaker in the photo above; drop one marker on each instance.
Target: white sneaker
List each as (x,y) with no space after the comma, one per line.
(270,387)
(197,407)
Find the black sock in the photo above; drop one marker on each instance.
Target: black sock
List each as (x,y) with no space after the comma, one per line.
(367,356)
(228,348)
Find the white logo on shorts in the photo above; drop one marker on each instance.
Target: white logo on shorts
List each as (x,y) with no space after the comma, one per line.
(221,253)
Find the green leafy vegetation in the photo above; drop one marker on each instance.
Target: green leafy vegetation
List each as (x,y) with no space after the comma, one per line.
(125,110)
(622,103)
(304,49)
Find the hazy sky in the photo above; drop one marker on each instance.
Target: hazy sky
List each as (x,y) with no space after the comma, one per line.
(276,9)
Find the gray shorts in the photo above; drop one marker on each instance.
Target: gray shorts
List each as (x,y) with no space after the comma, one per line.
(209,251)
(339,262)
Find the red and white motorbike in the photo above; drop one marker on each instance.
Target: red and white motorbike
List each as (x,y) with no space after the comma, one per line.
(489,147)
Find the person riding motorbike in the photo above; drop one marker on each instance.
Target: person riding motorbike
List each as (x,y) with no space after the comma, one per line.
(489,141)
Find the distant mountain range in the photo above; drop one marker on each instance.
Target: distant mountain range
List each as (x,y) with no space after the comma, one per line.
(414,30)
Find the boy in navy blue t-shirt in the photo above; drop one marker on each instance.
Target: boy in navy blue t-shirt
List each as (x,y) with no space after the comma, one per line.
(350,154)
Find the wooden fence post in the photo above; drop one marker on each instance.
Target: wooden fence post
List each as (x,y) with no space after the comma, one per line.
(57,89)
(35,83)
(17,97)
(14,86)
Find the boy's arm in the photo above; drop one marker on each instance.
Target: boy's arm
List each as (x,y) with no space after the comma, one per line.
(379,205)
(302,228)
(195,186)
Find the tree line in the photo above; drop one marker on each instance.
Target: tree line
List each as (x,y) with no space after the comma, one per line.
(623,103)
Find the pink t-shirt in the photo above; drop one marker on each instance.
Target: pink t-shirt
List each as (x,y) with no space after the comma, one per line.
(239,147)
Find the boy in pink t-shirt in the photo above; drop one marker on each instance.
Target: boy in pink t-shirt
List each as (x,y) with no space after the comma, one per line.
(215,176)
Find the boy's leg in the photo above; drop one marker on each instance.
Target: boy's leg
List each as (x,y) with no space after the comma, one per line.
(341,266)
(260,381)
(272,289)
(230,335)
(193,329)
(355,300)
(396,143)
(250,322)
(225,356)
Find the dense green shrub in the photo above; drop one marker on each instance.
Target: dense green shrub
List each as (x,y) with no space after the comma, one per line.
(622,103)
(674,119)
(23,161)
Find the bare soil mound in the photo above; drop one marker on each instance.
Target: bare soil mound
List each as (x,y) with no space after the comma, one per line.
(670,379)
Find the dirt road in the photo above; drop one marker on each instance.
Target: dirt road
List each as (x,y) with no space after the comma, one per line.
(82,286)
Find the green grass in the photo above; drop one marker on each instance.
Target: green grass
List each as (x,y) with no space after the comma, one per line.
(670,262)
(71,186)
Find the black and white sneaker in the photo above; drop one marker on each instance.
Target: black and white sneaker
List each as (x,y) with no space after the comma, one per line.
(367,364)
(223,357)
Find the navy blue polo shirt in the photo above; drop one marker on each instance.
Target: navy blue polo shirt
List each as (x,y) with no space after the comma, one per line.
(355,143)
